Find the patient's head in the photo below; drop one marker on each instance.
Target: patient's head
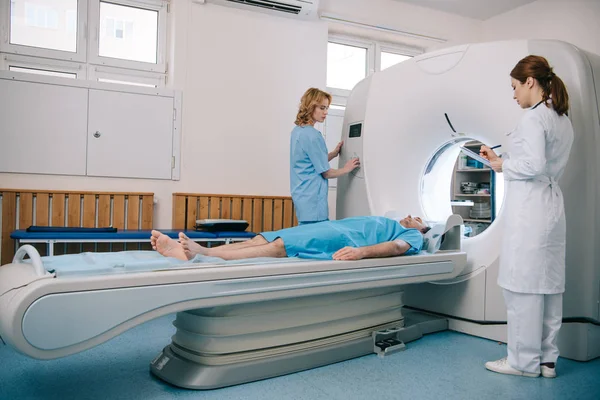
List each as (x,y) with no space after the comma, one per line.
(414,222)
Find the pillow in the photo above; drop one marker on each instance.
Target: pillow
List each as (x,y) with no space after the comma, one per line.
(432,240)
(221,225)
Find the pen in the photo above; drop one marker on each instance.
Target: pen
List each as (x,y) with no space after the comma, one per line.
(495,147)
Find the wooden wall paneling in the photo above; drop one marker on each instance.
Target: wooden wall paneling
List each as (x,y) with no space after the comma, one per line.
(194,206)
(288,209)
(89,218)
(257,216)
(42,208)
(59,205)
(9,224)
(179,211)
(226,208)
(214,207)
(74,219)
(147,211)
(118,215)
(103,219)
(267,215)
(22,208)
(236,208)
(277,214)
(25,210)
(203,206)
(133,212)
(147,218)
(247,212)
(133,218)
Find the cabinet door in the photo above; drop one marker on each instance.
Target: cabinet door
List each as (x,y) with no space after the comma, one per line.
(129,135)
(42,128)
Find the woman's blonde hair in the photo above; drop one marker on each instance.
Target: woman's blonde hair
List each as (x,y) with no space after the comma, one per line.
(309,101)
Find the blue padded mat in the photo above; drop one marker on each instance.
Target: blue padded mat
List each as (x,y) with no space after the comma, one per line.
(124,234)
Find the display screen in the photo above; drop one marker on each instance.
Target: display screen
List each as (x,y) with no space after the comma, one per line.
(355,130)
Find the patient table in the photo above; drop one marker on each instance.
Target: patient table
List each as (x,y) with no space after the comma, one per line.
(237,321)
(51,237)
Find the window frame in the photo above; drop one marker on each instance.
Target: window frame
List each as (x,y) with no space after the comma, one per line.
(8,60)
(81,37)
(83,63)
(96,72)
(373,64)
(160,6)
(374,49)
(394,49)
(354,42)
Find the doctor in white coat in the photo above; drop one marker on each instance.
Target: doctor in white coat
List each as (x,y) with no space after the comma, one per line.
(532,258)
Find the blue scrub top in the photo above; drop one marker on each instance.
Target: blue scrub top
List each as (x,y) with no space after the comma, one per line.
(321,240)
(308,160)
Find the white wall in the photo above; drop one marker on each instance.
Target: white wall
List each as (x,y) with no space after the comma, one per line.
(403,17)
(245,74)
(242,75)
(574,21)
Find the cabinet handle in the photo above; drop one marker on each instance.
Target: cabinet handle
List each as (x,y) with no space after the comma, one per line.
(97,134)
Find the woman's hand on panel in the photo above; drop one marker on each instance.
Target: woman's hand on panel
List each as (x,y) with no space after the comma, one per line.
(338,148)
(352,164)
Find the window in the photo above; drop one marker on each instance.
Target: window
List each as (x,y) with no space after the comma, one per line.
(129,36)
(128,33)
(43,72)
(125,82)
(37,24)
(37,65)
(350,60)
(346,65)
(389,59)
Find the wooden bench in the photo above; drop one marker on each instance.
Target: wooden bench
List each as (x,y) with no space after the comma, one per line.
(22,208)
(263,213)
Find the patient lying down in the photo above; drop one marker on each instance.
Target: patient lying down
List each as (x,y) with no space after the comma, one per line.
(347,239)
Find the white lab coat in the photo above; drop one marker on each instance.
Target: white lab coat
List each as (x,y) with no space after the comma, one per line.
(532,259)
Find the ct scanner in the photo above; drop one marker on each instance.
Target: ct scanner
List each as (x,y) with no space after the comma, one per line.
(395,122)
(243,321)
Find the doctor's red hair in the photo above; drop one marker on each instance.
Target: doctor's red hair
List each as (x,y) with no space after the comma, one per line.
(552,86)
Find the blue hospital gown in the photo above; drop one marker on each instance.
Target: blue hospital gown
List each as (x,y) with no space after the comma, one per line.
(321,240)
(308,160)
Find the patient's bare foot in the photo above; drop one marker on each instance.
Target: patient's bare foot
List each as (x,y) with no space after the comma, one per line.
(167,246)
(190,247)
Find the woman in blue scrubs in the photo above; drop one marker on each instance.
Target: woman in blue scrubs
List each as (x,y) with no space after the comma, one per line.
(309,159)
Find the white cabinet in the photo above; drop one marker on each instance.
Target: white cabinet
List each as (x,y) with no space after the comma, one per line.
(40,128)
(129,135)
(61,126)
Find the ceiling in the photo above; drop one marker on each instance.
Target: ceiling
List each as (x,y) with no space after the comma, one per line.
(476,9)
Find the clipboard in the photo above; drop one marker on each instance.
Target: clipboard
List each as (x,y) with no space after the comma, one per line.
(476,156)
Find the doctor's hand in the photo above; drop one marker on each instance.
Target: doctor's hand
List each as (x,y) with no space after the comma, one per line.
(348,253)
(352,164)
(488,153)
(497,164)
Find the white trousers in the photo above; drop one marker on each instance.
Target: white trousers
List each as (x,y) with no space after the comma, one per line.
(533,324)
